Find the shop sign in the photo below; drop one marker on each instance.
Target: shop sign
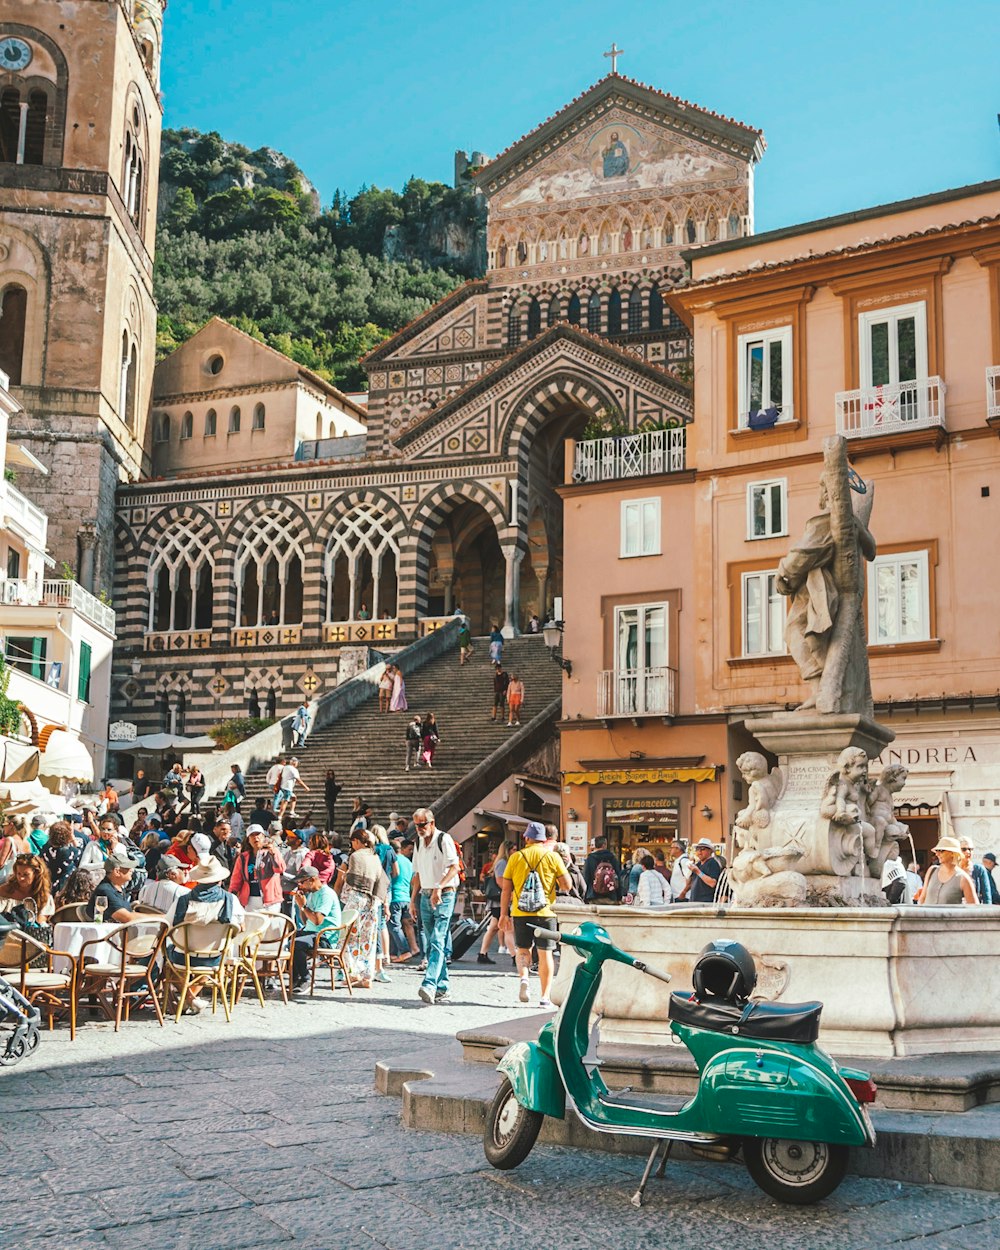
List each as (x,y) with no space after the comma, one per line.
(953,753)
(576,837)
(121,731)
(663,812)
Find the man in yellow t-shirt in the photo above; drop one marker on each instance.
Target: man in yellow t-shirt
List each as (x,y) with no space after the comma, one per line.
(533,857)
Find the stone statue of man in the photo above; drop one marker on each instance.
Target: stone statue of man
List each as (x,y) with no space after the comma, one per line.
(824,576)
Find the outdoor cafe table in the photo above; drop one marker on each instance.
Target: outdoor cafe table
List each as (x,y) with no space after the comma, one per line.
(70,936)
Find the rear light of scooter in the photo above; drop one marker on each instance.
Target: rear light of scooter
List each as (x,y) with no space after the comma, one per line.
(863,1091)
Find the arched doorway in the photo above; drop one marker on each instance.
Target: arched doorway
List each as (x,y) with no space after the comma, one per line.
(467,567)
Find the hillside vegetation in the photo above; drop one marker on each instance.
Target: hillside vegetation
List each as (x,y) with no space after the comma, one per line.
(242,235)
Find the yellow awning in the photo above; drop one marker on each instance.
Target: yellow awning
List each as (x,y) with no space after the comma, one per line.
(638,776)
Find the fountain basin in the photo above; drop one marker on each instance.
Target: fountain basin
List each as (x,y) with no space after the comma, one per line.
(894,981)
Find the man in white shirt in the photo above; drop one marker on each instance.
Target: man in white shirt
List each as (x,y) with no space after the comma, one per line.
(168,888)
(432,899)
(273,778)
(290,778)
(680,868)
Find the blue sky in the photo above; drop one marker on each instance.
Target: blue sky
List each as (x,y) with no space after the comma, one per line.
(860,103)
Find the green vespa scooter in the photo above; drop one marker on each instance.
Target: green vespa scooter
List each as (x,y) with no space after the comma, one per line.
(764,1085)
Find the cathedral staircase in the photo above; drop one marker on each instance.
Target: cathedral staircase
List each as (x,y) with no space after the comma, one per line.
(367,747)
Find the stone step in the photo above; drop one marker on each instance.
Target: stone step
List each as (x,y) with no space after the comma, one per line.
(440,1093)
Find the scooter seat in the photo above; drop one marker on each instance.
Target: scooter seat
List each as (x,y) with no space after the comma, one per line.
(775,1022)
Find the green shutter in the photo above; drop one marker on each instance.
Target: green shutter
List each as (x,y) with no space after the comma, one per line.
(38,658)
(83,685)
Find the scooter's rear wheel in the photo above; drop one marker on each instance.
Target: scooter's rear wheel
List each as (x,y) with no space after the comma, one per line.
(795,1171)
(510,1130)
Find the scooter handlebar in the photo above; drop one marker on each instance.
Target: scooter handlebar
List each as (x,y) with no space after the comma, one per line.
(652,972)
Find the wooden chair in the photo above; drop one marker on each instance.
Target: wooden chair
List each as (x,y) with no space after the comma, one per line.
(242,961)
(137,945)
(274,954)
(69,913)
(41,986)
(334,956)
(192,940)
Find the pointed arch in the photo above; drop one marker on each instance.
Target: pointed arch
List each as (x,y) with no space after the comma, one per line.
(615,311)
(573,309)
(594,312)
(514,325)
(534,318)
(268,572)
(554,311)
(655,309)
(635,310)
(180,577)
(361,564)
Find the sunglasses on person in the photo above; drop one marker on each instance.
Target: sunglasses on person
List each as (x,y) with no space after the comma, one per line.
(421,824)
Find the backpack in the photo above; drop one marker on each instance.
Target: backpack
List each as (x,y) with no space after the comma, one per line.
(605,880)
(458,852)
(532,897)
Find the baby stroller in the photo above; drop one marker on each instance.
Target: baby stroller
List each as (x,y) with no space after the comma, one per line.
(20,1020)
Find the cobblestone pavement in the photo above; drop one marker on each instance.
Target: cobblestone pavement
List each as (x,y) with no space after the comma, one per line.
(267,1132)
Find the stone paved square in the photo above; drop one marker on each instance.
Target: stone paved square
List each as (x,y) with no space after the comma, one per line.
(267,1132)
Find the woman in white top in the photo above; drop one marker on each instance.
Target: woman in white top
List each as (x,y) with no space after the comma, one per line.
(654,890)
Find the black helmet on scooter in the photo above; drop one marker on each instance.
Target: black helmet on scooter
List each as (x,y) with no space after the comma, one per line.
(725,970)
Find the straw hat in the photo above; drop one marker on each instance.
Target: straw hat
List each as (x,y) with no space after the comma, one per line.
(208,872)
(949,844)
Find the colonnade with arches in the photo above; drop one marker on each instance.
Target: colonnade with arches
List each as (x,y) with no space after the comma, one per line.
(610,308)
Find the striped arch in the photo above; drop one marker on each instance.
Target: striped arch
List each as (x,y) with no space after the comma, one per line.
(539,399)
(363,525)
(370,496)
(415,552)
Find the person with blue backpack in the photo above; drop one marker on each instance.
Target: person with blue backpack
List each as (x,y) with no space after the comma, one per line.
(530,881)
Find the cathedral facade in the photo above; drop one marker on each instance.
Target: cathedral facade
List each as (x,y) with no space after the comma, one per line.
(250,580)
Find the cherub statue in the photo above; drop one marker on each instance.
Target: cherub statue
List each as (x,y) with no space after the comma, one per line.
(881,815)
(845,802)
(764,791)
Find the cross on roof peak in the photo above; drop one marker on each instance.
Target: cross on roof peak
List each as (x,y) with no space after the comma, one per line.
(614,52)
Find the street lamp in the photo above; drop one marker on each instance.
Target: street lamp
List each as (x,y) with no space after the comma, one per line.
(552,632)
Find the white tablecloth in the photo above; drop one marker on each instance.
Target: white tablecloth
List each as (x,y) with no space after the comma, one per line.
(71,937)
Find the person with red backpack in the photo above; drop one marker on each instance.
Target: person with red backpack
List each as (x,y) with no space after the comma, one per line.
(600,872)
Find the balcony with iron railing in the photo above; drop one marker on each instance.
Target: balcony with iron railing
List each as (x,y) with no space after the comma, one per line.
(632,693)
(993,392)
(619,457)
(895,408)
(59,594)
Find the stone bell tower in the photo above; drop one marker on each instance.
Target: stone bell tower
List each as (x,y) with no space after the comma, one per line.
(80,122)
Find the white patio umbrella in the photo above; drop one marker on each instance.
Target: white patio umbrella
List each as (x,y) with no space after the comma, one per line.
(64,757)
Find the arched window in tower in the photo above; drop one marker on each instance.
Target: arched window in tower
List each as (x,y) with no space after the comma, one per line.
(10,124)
(690,230)
(13,313)
(615,312)
(635,310)
(34,128)
(269,573)
(594,313)
(258,416)
(573,311)
(187,425)
(131,386)
(210,423)
(234,419)
(362,566)
(655,309)
(534,318)
(179,580)
(554,310)
(133,173)
(161,428)
(514,325)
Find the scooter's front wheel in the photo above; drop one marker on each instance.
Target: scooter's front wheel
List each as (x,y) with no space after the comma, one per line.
(795,1171)
(510,1129)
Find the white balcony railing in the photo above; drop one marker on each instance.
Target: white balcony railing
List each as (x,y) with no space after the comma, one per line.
(72,595)
(891,409)
(60,594)
(630,455)
(992,391)
(21,512)
(637,692)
